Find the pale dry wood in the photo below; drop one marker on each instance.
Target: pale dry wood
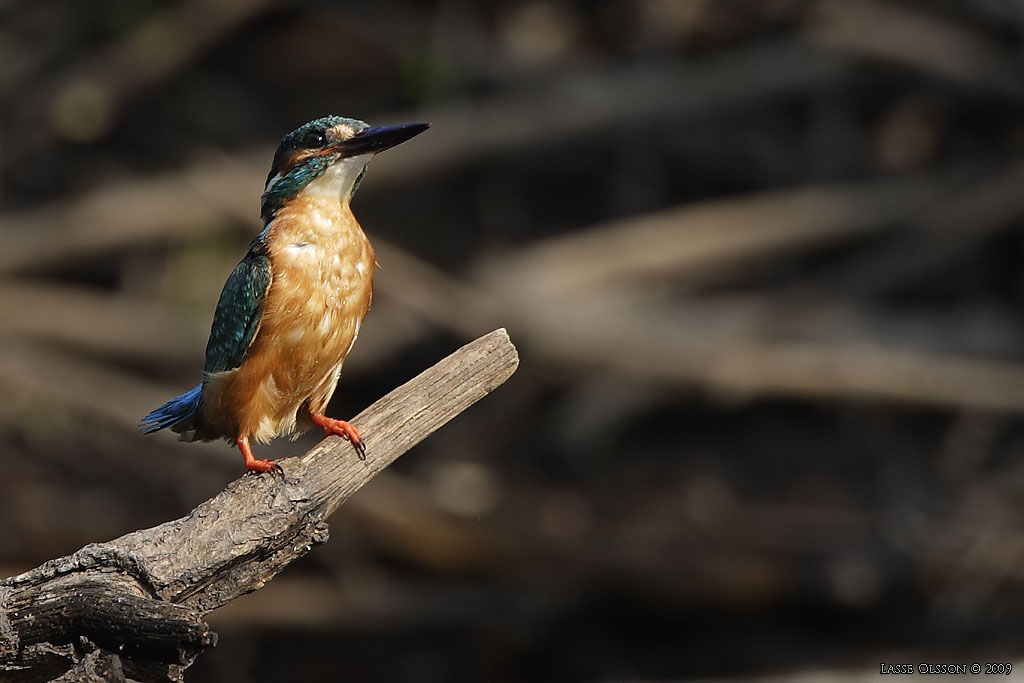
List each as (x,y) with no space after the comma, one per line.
(233,543)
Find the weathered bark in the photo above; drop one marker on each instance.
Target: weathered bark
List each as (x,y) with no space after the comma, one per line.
(137,603)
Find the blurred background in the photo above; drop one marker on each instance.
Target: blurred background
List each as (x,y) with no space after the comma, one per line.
(761,260)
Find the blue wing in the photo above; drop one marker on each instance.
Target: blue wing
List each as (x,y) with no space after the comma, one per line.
(234,326)
(238,311)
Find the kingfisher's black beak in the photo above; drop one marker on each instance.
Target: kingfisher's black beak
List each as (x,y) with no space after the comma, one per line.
(379,138)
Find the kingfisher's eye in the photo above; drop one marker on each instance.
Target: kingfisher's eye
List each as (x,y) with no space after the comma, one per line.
(314,139)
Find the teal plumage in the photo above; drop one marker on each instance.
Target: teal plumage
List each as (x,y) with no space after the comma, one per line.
(283,186)
(238,311)
(234,325)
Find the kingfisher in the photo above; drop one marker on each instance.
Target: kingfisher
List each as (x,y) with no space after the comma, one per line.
(291,309)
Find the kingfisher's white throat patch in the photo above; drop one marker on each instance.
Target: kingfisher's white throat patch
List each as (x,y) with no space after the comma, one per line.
(339,178)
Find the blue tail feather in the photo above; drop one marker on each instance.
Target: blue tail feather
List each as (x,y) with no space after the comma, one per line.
(174,412)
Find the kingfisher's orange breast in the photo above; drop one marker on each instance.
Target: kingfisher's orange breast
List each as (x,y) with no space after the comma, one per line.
(321,266)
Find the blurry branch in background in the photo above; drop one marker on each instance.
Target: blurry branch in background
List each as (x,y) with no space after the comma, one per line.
(572,301)
(950,225)
(141,598)
(87,385)
(895,33)
(134,212)
(97,321)
(708,238)
(542,113)
(151,210)
(611,329)
(584,300)
(84,100)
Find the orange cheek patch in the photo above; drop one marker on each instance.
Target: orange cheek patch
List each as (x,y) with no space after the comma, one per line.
(301,155)
(296,157)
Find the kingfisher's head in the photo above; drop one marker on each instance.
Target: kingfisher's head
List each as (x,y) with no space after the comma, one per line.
(330,155)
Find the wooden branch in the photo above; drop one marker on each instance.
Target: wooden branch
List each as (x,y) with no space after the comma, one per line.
(143,596)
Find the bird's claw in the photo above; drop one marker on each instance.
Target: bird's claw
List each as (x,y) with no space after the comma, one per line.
(342,428)
(359,445)
(262,466)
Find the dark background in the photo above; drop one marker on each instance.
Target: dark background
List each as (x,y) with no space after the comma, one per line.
(761,260)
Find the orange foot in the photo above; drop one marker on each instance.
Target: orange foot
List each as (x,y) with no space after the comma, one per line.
(251,463)
(342,428)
